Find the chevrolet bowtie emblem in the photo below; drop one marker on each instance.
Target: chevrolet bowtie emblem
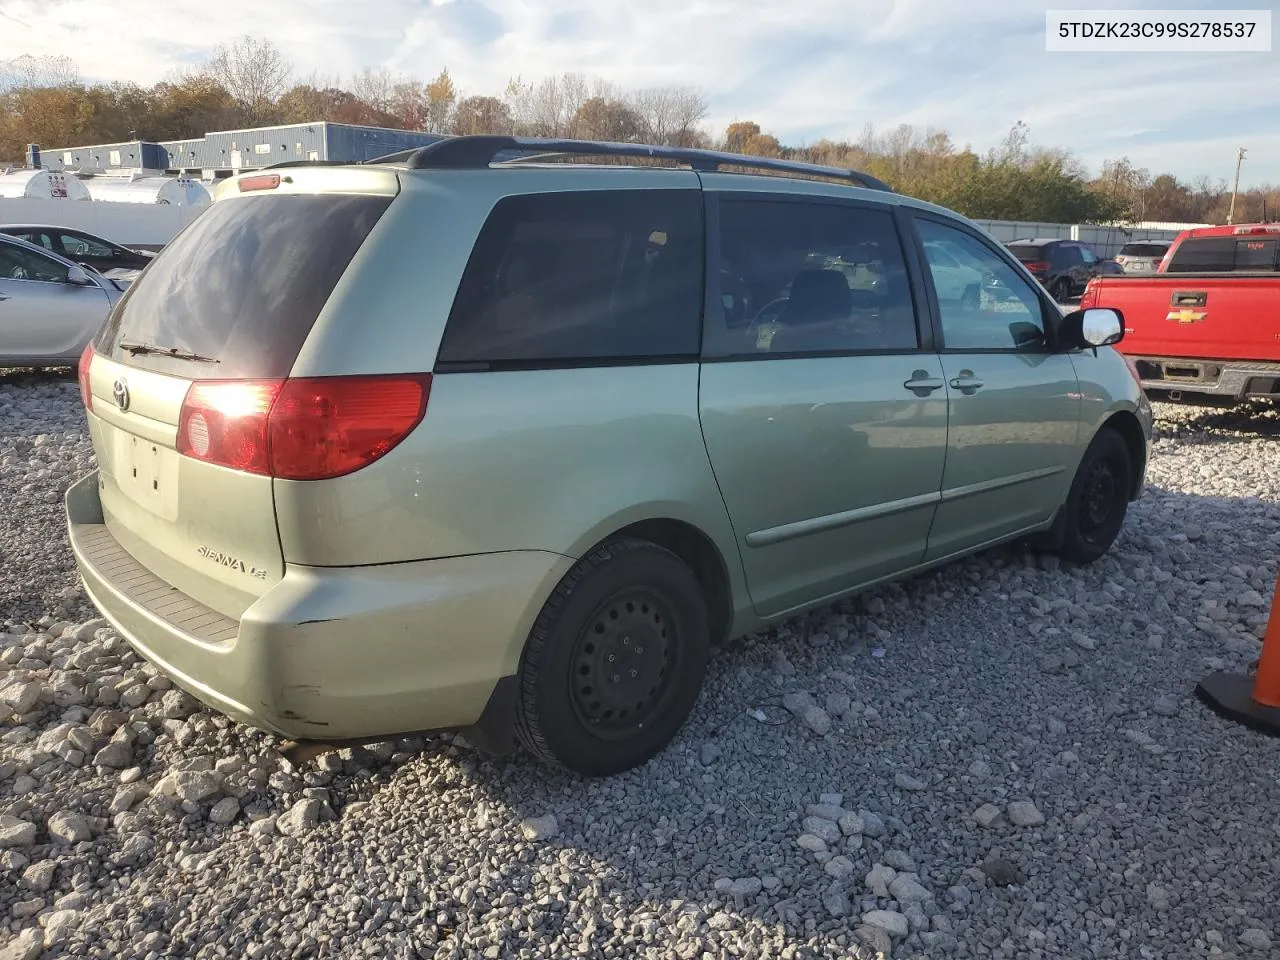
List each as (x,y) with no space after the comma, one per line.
(1186,316)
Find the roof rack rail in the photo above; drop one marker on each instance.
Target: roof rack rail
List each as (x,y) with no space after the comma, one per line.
(477,152)
(305,163)
(398,157)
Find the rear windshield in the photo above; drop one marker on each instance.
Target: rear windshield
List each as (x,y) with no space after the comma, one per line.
(241,285)
(1224,255)
(1027,254)
(610,275)
(1144,249)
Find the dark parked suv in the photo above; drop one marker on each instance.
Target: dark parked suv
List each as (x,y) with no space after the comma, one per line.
(1063,266)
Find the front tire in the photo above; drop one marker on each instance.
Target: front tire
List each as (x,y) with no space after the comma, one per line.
(1098,500)
(615,660)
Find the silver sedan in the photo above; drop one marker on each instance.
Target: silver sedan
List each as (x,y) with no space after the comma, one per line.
(50,308)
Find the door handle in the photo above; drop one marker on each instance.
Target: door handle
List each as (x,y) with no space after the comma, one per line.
(921,384)
(966,383)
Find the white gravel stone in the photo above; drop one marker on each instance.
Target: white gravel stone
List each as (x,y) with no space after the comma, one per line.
(68,827)
(301,818)
(39,876)
(224,811)
(907,888)
(540,828)
(1024,813)
(27,945)
(20,696)
(812,843)
(879,878)
(986,815)
(15,832)
(838,867)
(850,824)
(1255,938)
(821,827)
(904,781)
(872,824)
(895,924)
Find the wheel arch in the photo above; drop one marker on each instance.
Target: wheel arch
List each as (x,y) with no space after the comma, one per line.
(1125,423)
(696,548)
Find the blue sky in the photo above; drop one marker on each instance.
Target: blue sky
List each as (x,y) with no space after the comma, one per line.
(803,71)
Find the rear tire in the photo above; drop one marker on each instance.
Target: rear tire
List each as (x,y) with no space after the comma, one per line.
(1060,290)
(615,660)
(1098,500)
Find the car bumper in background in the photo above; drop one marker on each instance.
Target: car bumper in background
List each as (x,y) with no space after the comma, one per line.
(329,653)
(1222,379)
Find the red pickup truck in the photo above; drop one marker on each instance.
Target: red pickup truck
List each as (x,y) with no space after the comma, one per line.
(1205,328)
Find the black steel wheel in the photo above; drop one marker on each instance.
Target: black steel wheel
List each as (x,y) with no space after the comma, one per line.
(615,660)
(1098,500)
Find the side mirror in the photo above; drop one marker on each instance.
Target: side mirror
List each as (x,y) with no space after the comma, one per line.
(1092,328)
(79,276)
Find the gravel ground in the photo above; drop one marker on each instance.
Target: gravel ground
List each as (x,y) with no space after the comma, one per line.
(1000,760)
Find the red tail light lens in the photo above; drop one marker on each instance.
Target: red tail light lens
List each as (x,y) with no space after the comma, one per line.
(1038,266)
(265,181)
(300,429)
(1090,296)
(82,372)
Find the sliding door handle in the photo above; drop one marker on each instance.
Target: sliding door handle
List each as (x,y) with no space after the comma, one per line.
(921,384)
(966,383)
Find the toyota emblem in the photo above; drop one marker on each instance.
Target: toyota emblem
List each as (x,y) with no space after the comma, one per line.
(120,391)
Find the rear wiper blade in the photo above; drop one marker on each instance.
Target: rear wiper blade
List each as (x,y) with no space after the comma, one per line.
(136,348)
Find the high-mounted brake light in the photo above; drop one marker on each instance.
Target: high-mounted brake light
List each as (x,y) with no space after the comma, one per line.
(264,181)
(311,428)
(82,372)
(1241,231)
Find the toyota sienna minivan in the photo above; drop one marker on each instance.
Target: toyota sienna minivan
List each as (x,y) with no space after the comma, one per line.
(494,436)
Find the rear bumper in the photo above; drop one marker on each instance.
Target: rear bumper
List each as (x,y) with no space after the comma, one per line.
(1224,379)
(329,653)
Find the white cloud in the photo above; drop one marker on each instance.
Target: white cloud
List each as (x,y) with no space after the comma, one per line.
(802,70)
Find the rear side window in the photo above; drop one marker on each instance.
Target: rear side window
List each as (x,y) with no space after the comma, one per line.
(596,275)
(1256,254)
(242,285)
(1203,255)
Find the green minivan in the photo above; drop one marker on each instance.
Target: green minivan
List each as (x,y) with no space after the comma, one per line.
(501,435)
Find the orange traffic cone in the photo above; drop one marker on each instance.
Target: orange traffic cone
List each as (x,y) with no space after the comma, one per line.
(1253,702)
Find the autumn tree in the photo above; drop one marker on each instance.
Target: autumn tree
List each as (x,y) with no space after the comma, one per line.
(441,95)
(478,114)
(610,120)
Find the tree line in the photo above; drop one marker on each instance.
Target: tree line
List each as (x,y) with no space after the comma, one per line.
(250,83)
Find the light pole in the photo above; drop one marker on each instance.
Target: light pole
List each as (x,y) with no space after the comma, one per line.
(1235,187)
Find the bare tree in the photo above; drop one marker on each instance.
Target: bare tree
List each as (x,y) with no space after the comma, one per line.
(375,88)
(671,115)
(37,72)
(254,72)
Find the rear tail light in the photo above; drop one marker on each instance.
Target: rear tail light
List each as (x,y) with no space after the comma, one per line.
(1038,266)
(1090,296)
(82,371)
(311,428)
